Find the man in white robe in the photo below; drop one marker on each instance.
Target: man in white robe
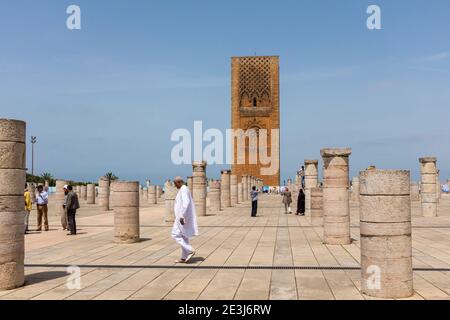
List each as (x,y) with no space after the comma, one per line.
(185,225)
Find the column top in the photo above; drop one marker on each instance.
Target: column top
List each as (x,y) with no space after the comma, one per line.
(225,171)
(427,159)
(311,162)
(336,152)
(199,164)
(12,130)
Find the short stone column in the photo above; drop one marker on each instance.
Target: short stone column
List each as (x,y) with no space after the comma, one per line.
(83,193)
(125,201)
(12,214)
(141,193)
(190,184)
(415,193)
(170,193)
(214,196)
(233,189)
(336,209)
(199,187)
(103,193)
(311,177)
(90,193)
(240,193)
(317,207)
(386,245)
(145,194)
(151,191)
(428,186)
(225,198)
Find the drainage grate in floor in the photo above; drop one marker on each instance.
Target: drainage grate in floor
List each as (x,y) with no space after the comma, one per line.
(187,266)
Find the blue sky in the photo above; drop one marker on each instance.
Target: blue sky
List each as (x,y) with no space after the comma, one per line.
(107,97)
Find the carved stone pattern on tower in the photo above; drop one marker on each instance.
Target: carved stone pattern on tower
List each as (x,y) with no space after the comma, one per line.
(255,86)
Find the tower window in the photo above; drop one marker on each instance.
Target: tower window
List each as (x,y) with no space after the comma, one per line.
(254,102)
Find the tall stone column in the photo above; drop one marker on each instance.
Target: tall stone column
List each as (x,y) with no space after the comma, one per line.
(244,188)
(152,194)
(311,177)
(225,199)
(214,196)
(199,187)
(317,207)
(145,194)
(60,196)
(32,190)
(428,186)
(415,194)
(190,184)
(170,193)
(90,193)
(125,200)
(438,187)
(103,193)
(336,209)
(12,215)
(83,193)
(233,190)
(240,193)
(355,189)
(386,245)
(158,193)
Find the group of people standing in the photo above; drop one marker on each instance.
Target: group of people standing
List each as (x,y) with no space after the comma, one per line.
(70,207)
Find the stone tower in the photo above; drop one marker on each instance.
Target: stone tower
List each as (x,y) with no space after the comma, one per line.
(255,106)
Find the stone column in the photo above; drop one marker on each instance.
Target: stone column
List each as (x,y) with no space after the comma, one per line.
(46,183)
(103,193)
(90,194)
(214,196)
(169,199)
(336,209)
(415,194)
(428,186)
(190,183)
(438,187)
(83,193)
(32,190)
(355,189)
(141,192)
(386,245)
(59,197)
(244,188)
(151,191)
(317,206)
(311,177)
(240,193)
(12,215)
(199,187)
(158,192)
(145,194)
(233,190)
(125,198)
(225,199)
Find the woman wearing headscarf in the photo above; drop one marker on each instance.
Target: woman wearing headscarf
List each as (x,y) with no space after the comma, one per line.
(301,203)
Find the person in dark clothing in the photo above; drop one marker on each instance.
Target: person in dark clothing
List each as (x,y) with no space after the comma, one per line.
(254,197)
(71,207)
(301,203)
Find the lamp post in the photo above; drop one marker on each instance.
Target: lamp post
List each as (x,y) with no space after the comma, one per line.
(33,141)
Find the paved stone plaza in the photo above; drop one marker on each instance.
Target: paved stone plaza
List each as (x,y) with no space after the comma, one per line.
(290,259)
